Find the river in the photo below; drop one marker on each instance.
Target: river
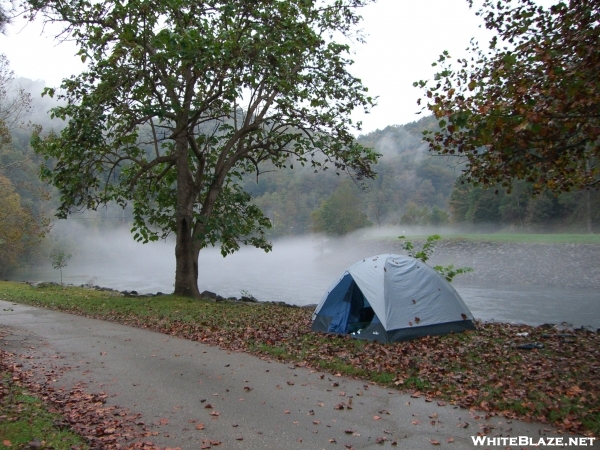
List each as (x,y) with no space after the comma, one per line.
(298,271)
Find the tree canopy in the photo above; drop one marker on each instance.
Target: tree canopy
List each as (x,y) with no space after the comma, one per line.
(528,107)
(182,97)
(21,226)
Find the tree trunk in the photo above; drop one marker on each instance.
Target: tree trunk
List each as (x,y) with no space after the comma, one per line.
(588,210)
(186,262)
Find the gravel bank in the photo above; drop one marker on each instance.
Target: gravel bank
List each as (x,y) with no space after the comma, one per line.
(565,265)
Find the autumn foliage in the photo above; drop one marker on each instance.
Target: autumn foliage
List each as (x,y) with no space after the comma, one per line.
(526,107)
(484,369)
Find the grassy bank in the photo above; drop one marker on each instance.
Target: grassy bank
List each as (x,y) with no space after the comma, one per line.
(521,238)
(558,384)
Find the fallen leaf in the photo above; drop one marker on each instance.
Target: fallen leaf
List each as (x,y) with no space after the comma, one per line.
(215,413)
(434,442)
(376,417)
(332,441)
(200,426)
(6,443)
(449,440)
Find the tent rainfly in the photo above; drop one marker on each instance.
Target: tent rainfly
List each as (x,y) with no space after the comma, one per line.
(391,298)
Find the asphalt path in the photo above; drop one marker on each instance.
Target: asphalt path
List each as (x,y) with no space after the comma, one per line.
(261,404)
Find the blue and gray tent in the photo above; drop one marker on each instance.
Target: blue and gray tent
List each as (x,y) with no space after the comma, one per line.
(391,298)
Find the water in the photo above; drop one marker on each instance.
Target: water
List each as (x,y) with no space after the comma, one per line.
(298,272)
(533,305)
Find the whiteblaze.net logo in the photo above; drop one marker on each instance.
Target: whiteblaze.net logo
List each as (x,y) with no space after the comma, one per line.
(533,442)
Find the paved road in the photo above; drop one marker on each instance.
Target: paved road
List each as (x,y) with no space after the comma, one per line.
(268,404)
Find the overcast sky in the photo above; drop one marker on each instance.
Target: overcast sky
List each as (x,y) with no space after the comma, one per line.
(403,39)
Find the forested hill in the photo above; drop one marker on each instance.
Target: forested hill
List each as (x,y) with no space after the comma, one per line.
(412,186)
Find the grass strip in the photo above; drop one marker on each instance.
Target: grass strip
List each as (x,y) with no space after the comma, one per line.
(26,423)
(483,369)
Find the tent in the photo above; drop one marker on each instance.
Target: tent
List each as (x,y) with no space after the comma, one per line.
(391,298)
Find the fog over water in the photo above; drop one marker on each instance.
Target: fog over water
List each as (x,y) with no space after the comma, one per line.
(299,270)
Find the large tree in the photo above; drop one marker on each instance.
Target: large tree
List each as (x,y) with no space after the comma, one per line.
(182,97)
(528,107)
